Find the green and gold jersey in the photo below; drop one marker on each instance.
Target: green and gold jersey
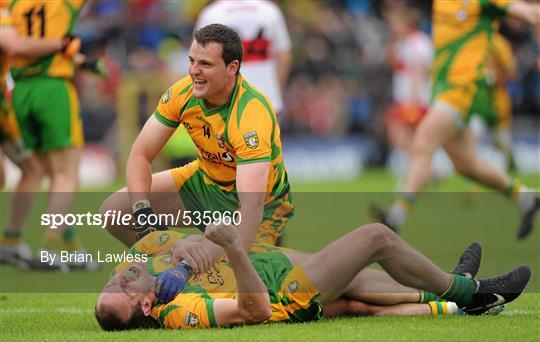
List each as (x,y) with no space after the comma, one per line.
(44,19)
(5,20)
(244,130)
(292,296)
(462,37)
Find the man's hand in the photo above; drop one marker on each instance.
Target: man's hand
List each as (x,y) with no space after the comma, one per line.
(71,45)
(223,235)
(142,213)
(192,253)
(170,282)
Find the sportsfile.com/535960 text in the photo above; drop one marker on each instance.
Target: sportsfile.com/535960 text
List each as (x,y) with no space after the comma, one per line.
(185,218)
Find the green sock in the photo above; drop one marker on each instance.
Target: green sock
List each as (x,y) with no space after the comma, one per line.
(426,297)
(406,199)
(71,240)
(461,290)
(513,190)
(10,238)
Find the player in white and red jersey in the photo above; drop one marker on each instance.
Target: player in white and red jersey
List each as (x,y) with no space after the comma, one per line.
(261,26)
(410,54)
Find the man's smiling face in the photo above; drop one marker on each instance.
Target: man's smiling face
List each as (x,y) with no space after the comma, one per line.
(211,77)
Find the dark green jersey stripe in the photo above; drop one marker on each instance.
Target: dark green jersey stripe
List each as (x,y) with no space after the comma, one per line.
(186,89)
(74,15)
(254,160)
(242,103)
(163,314)
(165,121)
(210,310)
(150,267)
(269,110)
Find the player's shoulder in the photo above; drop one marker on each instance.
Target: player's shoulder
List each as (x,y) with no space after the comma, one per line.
(183,85)
(179,92)
(250,97)
(249,92)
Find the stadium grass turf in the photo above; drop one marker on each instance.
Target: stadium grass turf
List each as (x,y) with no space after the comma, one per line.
(441,225)
(67,317)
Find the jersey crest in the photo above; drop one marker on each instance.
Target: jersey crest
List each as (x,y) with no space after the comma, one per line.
(192,320)
(166,97)
(251,139)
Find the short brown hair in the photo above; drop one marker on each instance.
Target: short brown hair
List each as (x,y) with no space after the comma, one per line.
(109,321)
(224,35)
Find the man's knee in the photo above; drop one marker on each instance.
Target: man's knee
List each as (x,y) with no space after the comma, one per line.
(463,163)
(113,204)
(461,167)
(379,235)
(32,169)
(421,147)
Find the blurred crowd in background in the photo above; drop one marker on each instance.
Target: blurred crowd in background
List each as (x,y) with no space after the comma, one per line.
(340,82)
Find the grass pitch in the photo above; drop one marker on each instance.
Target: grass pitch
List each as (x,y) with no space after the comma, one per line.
(441,225)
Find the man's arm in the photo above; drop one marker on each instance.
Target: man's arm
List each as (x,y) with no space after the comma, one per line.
(251,182)
(147,145)
(253,302)
(16,46)
(526,11)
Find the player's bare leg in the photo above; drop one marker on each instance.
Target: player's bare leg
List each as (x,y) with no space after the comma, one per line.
(377,287)
(441,128)
(163,196)
(12,249)
(371,286)
(332,269)
(350,307)
(62,167)
(434,131)
(376,294)
(24,193)
(462,150)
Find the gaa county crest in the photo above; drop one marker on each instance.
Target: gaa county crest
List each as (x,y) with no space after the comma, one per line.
(192,320)
(293,286)
(166,97)
(162,239)
(251,139)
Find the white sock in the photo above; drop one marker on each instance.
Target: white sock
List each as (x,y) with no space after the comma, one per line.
(397,214)
(453,308)
(525,198)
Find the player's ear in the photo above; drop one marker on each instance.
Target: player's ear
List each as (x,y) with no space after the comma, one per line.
(233,66)
(146,306)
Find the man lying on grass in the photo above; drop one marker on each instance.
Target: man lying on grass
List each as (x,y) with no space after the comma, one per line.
(294,287)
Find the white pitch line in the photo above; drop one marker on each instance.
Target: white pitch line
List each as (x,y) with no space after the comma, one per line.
(45,310)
